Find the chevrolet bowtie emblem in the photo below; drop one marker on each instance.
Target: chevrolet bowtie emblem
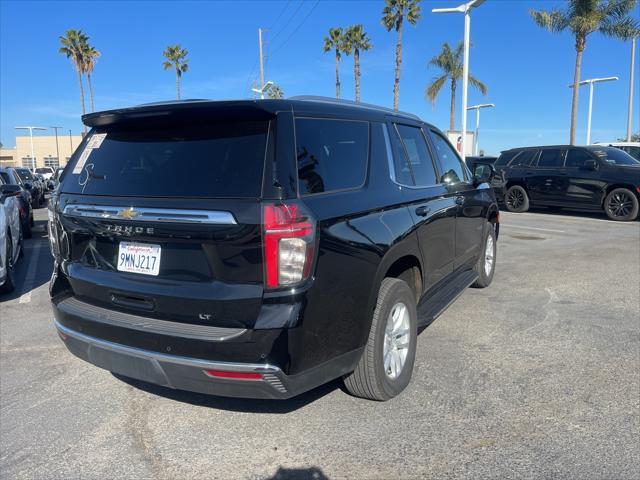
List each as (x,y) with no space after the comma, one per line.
(128,213)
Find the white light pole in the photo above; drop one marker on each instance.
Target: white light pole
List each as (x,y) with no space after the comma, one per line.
(31,129)
(261,91)
(590,82)
(466,9)
(630,108)
(477,109)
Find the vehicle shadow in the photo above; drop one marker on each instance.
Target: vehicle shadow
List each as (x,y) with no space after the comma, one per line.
(247,405)
(311,473)
(30,276)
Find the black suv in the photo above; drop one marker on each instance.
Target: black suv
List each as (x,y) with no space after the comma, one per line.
(262,248)
(590,178)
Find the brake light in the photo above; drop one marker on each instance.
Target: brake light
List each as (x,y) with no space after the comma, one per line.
(288,244)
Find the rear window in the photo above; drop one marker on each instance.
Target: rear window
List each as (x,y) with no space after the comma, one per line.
(332,154)
(218,160)
(24,174)
(524,159)
(44,170)
(505,157)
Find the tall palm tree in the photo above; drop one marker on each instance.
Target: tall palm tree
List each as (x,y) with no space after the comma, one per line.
(582,18)
(450,62)
(90,56)
(394,14)
(176,58)
(275,92)
(72,47)
(335,41)
(356,40)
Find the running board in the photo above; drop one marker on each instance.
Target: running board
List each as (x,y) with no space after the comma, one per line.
(433,303)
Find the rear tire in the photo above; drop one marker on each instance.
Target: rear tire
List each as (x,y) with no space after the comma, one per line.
(9,282)
(486,265)
(621,205)
(385,368)
(516,199)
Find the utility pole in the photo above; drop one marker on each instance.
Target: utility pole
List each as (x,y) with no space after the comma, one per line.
(55,129)
(70,143)
(630,111)
(261,61)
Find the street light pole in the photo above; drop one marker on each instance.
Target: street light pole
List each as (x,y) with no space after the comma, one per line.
(477,109)
(465,8)
(590,82)
(630,111)
(70,143)
(55,129)
(264,88)
(31,129)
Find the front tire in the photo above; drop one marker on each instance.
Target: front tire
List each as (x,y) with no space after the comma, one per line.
(621,205)
(385,368)
(486,265)
(516,199)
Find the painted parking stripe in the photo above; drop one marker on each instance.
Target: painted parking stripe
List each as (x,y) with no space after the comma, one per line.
(511,225)
(31,273)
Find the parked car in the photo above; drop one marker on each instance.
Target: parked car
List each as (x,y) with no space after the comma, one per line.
(10,234)
(32,184)
(24,198)
(46,172)
(589,178)
(632,148)
(317,236)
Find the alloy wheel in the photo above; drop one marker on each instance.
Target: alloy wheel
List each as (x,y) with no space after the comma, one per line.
(396,340)
(488,256)
(620,205)
(515,199)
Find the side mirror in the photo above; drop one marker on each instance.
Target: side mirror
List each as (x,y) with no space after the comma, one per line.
(8,191)
(483,173)
(27,185)
(590,164)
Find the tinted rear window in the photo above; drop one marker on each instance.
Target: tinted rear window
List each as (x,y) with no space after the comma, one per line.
(332,154)
(221,160)
(505,157)
(24,174)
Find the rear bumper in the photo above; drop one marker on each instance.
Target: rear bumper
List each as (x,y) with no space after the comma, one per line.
(183,373)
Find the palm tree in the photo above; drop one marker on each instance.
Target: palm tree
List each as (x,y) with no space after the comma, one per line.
(450,62)
(393,16)
(356,40)
(90,56)
(582,18)
(72,47)
(335,41)
(275,92)
(176,58)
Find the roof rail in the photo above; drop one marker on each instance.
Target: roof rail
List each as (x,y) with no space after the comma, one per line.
(351,103)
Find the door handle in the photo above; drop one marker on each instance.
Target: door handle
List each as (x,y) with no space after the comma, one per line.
(459,200)
(422,211)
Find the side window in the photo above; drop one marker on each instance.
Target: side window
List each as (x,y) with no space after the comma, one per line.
(505,158)
(524,158)
(420,162)
(550,158)
(332,154)
(576,158)
(450,166)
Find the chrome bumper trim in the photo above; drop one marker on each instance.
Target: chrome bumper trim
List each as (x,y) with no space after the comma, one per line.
(163,215)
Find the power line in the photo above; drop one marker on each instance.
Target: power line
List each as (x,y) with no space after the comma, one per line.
(284,27)
(279,16)
(297,28)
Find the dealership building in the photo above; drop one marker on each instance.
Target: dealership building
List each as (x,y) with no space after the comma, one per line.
(46,153)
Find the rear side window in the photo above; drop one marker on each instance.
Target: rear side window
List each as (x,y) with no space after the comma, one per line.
(450,166)
(576,158)
(550,158)
(332,154)
(218,160)
(417,152)
(505,158)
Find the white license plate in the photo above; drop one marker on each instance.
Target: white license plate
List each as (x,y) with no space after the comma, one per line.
(139,258)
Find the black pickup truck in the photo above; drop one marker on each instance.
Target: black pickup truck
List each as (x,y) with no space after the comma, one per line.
(263,248)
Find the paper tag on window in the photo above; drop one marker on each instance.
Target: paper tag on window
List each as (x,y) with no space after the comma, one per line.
(82,160)
(96,140)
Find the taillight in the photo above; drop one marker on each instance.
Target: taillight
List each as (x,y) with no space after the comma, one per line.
(289,233)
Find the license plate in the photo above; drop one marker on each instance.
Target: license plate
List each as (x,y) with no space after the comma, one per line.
(139,258)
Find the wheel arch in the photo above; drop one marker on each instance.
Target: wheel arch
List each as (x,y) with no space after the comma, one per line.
(611,187)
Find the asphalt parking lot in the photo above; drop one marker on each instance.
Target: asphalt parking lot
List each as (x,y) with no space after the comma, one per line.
(537,376)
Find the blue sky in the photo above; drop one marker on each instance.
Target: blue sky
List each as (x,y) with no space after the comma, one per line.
(526,68)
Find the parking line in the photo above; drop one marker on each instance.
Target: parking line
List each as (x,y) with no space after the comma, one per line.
(31,273)
(532,228)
